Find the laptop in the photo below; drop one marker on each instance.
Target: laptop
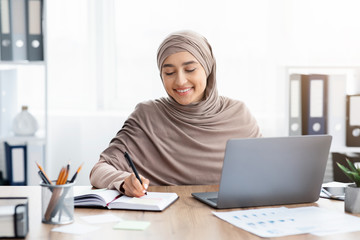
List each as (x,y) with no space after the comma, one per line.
(270,171)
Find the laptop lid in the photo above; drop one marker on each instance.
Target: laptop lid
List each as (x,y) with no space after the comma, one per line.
(273,171)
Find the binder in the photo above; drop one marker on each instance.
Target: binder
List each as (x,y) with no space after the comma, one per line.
(18,19)
(34,31)
(353,120)
(314,104)
(295,111)
(16,164)
(337,109)
(5,32)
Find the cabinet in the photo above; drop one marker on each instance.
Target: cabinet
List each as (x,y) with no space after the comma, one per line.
(24,83)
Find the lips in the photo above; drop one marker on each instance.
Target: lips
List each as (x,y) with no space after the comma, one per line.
(183,91)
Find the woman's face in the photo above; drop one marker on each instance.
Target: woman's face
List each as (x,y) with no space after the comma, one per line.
(184,78)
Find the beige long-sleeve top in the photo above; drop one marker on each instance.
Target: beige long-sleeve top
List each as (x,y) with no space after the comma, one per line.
(174,145)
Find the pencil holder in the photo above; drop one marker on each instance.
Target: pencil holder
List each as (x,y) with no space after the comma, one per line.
(57,203)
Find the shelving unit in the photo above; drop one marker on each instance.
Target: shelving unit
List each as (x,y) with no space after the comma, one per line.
(30,90)
(351,75)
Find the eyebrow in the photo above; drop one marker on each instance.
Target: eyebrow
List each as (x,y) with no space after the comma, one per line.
(184,64)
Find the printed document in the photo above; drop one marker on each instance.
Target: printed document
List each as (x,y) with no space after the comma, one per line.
(277,222)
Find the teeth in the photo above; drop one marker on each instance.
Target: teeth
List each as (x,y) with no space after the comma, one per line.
(182,91)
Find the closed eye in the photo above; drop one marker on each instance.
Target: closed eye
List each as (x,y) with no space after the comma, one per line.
(190,70)
(169,74)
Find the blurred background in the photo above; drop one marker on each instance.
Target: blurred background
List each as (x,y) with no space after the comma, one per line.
(100,61)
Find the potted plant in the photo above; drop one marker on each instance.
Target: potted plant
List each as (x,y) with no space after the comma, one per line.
(352,192)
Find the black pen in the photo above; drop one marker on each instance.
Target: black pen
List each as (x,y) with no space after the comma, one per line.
(131,164)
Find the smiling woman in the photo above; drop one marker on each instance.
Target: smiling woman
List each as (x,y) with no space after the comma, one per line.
(184,78)
(179,139)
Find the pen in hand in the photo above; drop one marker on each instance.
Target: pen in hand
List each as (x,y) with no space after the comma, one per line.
(131,164)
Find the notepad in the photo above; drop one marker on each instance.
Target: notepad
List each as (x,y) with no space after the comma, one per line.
(112,199)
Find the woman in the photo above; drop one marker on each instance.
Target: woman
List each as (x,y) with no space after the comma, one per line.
(180,139)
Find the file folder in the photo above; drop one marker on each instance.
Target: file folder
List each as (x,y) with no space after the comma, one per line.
(35,33)
(295,111)
(353,120)
(5,32)
(18,19)
(337,108)
(16,164)
(314,104)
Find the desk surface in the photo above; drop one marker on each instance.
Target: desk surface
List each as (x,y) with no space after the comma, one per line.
(187,218)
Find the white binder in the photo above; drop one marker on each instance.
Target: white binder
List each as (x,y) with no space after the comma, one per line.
(35,34)
(5,33)
(18,29)
(295,111)
(336,109)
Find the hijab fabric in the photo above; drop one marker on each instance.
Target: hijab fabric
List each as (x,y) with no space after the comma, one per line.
(174,144)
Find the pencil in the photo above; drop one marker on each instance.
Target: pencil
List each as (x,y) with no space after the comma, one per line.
(42,170)
(75,175)
(66,173)
(61,174)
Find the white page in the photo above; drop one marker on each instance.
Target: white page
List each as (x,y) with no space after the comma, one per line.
(18,168)
(101,218)
(277,222)
(75,228)
(159,199)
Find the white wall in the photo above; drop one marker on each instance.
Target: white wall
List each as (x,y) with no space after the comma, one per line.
(102,59)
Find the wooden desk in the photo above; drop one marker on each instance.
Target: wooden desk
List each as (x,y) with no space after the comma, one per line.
(187,218)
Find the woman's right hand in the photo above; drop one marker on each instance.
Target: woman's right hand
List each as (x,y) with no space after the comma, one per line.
(133,188)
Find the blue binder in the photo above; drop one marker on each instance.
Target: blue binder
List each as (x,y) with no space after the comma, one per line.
(16,164)
(314,105)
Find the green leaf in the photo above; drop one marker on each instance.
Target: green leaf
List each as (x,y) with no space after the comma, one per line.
(351,165)
(346,171)
(356,177)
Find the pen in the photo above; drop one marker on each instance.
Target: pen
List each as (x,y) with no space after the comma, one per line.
(42,176)
(131,164)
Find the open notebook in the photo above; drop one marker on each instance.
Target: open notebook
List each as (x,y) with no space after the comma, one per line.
(112,199)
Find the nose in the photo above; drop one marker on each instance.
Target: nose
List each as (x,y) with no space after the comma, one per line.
(180,79)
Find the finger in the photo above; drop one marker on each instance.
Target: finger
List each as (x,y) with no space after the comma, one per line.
(138,189)
(128,186)
(145,182)
(131,191)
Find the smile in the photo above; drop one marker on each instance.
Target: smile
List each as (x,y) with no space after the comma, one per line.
(183,90)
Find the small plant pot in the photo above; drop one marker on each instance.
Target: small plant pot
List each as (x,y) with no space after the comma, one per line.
(352,199)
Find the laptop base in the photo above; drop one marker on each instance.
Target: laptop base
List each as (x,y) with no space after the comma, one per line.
(209,198)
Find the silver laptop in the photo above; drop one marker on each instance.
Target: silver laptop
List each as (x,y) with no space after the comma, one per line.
(270,171)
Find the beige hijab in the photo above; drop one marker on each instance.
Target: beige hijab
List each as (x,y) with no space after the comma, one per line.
(173,144)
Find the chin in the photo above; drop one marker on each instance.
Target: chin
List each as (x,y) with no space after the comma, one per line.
(183,102)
